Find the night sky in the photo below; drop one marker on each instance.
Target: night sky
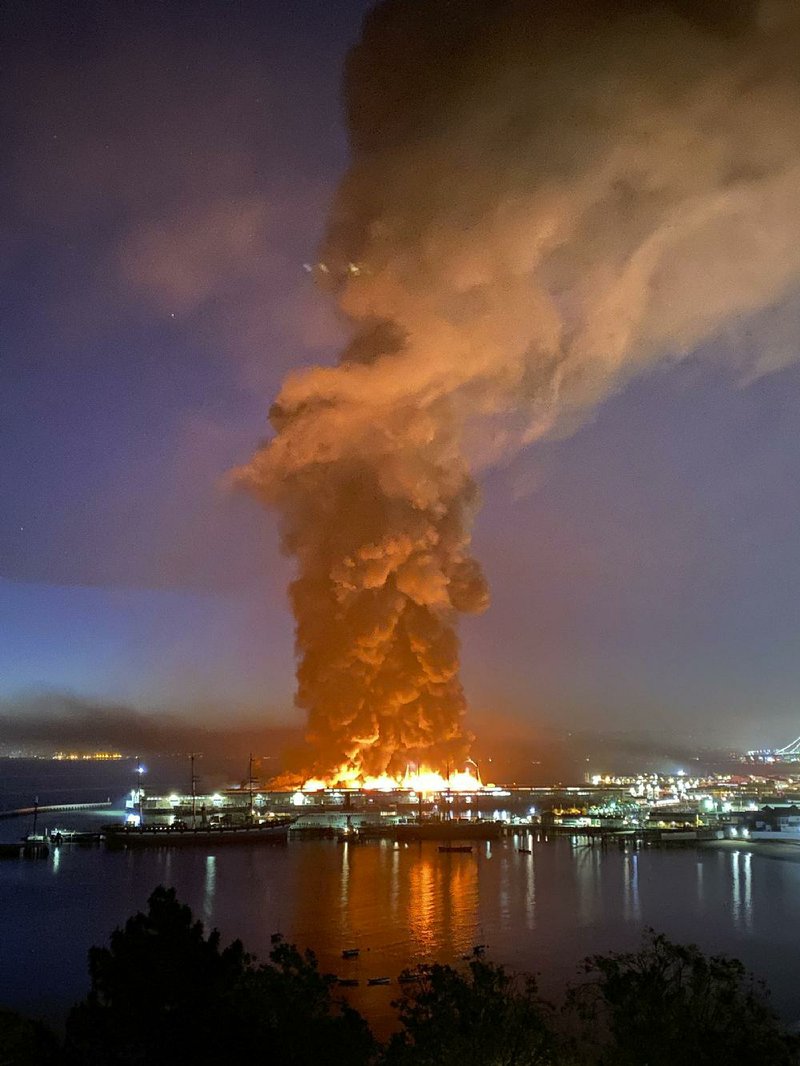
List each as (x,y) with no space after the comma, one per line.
(167,173)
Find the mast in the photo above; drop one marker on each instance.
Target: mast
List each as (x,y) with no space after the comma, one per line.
(192,757)
(250,782)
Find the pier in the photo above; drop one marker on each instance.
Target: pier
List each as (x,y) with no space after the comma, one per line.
(581,836)
(55,808)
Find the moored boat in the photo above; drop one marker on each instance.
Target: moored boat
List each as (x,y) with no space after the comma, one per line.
(35,846)
(73,836)
(275,831)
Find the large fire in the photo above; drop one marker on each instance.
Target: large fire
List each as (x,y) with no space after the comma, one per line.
(511,245)
(422,780)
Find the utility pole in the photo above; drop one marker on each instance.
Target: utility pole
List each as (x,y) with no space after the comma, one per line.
(192,756)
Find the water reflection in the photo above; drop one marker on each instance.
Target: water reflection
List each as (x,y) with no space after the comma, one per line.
(588,878)
(741,872)
(210,885)
(529,871)
(344,886)
(542,910)
(505,899)
(630,887)
(394,882)
(421,904)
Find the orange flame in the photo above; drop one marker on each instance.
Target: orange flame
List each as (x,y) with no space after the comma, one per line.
(422,780)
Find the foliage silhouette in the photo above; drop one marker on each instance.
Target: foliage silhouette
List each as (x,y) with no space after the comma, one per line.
(26,1043)
(164,993)
(668,1003)
(481,1016)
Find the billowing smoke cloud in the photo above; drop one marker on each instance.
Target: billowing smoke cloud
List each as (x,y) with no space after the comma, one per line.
(544,200)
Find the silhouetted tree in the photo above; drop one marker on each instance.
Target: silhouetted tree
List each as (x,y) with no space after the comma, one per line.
(292,1014)
(24,1042)
(669,1003)
(479,1016)
(163,994)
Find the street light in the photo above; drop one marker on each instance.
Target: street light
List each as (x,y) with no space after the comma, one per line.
(139,790)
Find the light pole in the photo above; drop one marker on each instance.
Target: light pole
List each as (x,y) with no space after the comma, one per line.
(139,790)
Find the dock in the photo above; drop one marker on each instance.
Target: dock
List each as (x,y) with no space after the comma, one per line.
(55,808)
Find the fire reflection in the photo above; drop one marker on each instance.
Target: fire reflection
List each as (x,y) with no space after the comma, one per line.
(344,884)
(422,904)
(443,900)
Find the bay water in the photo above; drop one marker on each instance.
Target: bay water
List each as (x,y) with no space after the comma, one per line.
(398,904)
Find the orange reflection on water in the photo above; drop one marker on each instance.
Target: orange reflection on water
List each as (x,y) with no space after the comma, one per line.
(442,904)
(422,904)
(370,891)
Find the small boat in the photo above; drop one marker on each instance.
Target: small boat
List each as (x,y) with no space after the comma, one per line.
(35,846)
(477,950)
(73,836)
(465,848)
(379,981)
(351,953)
(525,851)
(348,982)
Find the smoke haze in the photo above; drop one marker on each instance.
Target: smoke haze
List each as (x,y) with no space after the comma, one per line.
(52,721)
(544,200)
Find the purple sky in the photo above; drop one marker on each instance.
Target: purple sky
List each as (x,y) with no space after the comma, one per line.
(168,178)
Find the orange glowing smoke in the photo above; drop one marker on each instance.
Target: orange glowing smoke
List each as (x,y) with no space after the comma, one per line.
(519,234)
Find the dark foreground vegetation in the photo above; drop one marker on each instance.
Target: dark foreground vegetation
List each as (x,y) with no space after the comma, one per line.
(163,993)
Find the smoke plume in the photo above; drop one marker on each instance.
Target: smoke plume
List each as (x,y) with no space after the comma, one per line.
(544,200)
